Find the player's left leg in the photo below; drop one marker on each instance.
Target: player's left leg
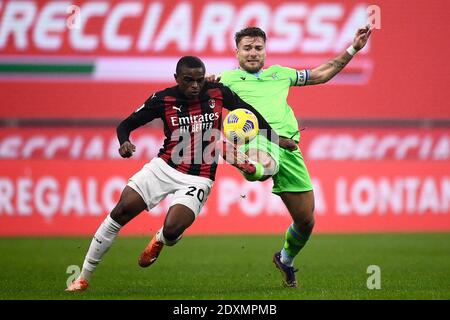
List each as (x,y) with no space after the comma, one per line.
(178,219)
(128,207)
(301,208)
(293,184)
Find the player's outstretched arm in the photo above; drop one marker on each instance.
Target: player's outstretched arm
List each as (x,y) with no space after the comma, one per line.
(327,71)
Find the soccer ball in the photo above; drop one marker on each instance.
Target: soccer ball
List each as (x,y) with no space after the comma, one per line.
(240,126)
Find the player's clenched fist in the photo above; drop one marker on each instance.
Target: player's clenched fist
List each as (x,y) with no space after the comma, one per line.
(361,37)
(126,149)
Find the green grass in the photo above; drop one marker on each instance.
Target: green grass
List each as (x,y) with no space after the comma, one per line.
(413,266)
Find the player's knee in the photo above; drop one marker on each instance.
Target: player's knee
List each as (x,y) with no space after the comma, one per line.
(305,223)
(304,217)
(310,224)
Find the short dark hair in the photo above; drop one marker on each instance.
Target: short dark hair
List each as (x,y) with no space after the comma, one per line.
(190,62)
(249,32)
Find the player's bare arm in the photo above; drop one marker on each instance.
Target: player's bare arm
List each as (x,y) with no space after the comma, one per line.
(327,71)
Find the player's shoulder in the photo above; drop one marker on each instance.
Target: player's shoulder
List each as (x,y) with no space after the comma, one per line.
(170,91)
(162,94)
(216,89)
(281,72)
(229,74)
(156,99)
(279,68)
(215,85)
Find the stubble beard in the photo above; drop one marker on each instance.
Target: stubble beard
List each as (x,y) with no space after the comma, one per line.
(252,69)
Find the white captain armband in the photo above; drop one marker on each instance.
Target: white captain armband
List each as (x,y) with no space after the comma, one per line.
(302,77)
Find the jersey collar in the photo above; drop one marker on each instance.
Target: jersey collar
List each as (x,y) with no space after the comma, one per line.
(256,74)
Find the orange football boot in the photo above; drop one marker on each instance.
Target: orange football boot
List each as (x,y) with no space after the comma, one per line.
(78,285)
(150,253)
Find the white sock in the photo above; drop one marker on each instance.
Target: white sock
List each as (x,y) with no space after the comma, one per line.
(287,259)
(100,244)
(160,237)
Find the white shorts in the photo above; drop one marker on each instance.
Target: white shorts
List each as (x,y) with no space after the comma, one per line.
(157,179)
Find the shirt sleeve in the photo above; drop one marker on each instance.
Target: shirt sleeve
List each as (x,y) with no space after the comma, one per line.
(298,77)
(302,77)
(151,109)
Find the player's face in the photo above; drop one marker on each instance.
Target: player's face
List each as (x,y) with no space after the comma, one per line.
(251,53)
(190,81)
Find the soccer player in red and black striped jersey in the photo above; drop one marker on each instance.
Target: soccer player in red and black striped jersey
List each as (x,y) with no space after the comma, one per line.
(191,112)
(185,166)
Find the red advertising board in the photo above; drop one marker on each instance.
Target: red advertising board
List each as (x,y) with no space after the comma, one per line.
(339,144)
(57,197)
(101,59)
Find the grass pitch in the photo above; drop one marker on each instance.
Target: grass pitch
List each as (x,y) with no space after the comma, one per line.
(413,266)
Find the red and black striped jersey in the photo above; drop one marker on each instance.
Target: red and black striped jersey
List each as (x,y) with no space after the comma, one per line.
(191,126)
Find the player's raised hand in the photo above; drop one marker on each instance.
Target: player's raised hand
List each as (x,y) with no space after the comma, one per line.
(289,144)
(212,78)
(361,37)
(126,149)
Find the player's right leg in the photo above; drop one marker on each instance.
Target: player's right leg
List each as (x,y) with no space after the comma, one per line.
(128,207)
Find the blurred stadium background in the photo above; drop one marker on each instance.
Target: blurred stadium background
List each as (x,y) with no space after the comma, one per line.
(376,139)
